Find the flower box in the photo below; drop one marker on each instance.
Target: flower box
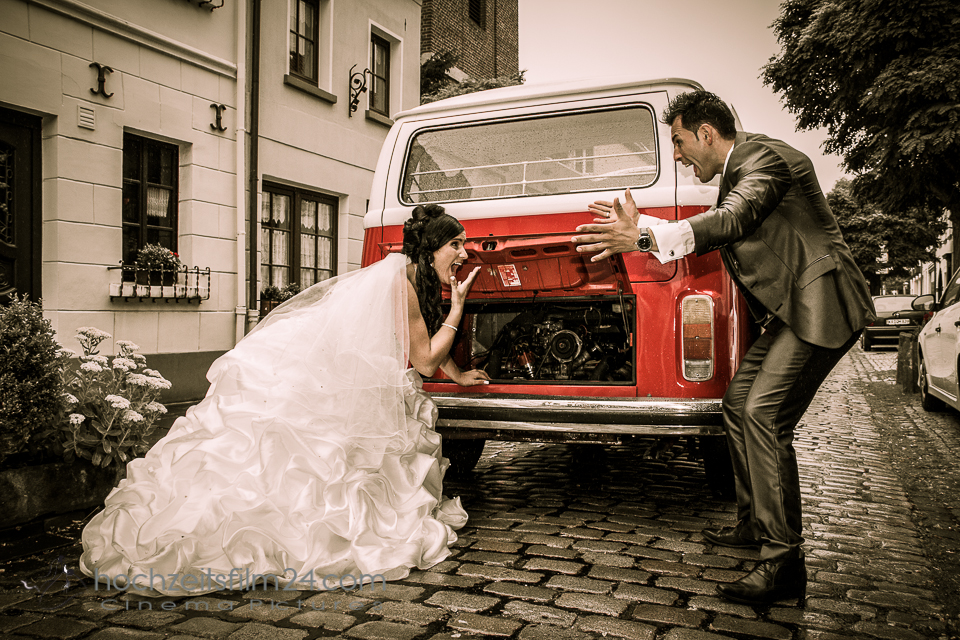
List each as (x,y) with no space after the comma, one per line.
(26,493)
(188,284)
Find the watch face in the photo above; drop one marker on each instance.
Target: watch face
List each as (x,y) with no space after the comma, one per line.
(644,243)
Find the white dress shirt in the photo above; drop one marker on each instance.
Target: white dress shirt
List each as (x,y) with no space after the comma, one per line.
(673,240)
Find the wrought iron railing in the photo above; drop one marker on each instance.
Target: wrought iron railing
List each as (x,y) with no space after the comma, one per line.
(189,284)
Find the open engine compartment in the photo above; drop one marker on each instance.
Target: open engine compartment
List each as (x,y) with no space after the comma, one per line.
(550,340)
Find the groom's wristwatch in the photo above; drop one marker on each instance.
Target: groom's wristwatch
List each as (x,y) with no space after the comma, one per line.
(644,242)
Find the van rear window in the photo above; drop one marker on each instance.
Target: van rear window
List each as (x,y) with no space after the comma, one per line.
(569,153)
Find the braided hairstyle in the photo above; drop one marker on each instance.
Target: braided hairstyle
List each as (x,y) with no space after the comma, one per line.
(426,231)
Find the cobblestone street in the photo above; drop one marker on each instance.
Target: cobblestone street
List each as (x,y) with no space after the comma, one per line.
(564,546)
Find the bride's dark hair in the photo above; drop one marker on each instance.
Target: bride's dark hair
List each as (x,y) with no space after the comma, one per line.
(426,231)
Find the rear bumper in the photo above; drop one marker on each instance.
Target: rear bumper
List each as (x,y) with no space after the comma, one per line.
(888,331)
(557,418)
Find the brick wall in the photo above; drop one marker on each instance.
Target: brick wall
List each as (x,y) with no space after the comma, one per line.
(486,50)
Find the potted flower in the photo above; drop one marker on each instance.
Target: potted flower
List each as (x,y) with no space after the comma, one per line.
(272,295)
(157,265)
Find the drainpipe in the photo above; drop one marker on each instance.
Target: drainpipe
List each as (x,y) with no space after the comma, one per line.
(242,303)
(496,56)
(253,313)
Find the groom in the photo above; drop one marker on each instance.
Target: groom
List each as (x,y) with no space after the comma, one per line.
(781,244)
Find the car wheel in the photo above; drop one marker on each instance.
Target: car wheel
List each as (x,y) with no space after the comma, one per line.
(927,401)
(717,465)
(463,455)
(864,341)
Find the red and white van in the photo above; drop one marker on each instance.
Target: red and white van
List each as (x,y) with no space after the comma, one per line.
(578,351)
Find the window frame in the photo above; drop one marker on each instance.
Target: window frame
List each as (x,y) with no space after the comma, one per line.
(475,12)
(297,196)
(144,183)
(375,42)
(298,37)
(646,106)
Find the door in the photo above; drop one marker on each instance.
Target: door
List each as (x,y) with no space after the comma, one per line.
(940,353)
(20,222)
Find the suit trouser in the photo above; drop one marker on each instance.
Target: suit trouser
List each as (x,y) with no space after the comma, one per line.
(776,382)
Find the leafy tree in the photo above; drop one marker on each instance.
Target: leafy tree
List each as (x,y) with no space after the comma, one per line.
(433,71)
(435,84)
(884,246)
(884,79)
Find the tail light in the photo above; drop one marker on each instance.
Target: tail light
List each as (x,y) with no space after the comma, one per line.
(697,353)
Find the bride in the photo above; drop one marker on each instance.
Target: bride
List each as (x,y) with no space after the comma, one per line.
(312,460)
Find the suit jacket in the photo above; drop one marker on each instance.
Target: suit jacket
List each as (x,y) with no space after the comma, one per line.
(782,245)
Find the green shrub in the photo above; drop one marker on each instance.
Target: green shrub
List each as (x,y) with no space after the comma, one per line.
(31,385)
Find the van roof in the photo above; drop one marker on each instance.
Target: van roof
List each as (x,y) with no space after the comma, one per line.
(533,91)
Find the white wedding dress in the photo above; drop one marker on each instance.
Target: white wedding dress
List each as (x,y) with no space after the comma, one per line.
(312,456)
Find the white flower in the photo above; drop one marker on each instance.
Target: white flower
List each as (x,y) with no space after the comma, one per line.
(117,402)
(90,337)
(70,398)
(77,418)
(138,358)
(101,360)
(63,352)
(158,383)
(156,407)
(92,333)
(138,380)
(132,416)
(91,367)
(126,347)
(151,372)
(124,364)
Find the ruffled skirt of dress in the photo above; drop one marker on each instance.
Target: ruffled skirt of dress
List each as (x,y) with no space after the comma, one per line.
(304,461)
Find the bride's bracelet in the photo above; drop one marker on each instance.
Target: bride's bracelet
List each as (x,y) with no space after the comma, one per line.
(444,324)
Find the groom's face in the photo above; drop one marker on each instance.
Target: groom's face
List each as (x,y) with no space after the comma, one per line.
(695,148)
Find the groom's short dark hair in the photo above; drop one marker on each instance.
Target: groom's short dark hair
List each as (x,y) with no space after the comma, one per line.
(695,108)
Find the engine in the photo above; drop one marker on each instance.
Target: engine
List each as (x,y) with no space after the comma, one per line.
(576,341)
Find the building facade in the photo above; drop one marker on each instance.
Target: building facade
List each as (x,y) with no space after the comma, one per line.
(483,33)
(234,133)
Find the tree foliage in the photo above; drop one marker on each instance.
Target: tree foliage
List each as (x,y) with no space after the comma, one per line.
(884,246)
(436,84)
(433,71)
(884,79)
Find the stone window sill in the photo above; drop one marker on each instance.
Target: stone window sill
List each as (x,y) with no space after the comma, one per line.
(379,117)
(306,87)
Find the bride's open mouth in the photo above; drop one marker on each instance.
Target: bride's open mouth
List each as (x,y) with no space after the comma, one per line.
(455,267)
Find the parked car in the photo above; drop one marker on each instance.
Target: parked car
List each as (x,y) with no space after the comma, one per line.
(939,348)
(578,351)
(894,316)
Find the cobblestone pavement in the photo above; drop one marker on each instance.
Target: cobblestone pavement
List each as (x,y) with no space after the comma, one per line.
(562,546)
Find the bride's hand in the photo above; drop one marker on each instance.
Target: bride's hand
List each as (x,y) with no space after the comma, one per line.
(459,290)
(473,377)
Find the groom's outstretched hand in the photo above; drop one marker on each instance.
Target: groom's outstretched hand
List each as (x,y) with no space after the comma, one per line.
(615,232)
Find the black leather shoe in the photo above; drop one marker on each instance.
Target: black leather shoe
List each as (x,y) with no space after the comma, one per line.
(770,580)
(730,537)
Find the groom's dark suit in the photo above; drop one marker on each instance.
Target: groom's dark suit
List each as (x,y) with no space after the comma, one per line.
(783,247)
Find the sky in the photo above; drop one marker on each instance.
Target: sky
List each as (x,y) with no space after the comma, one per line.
(722,44)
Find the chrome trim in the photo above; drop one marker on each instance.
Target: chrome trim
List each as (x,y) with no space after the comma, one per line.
(579,428)
(636,416)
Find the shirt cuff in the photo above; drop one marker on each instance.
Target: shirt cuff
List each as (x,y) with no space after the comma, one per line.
(673,240)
